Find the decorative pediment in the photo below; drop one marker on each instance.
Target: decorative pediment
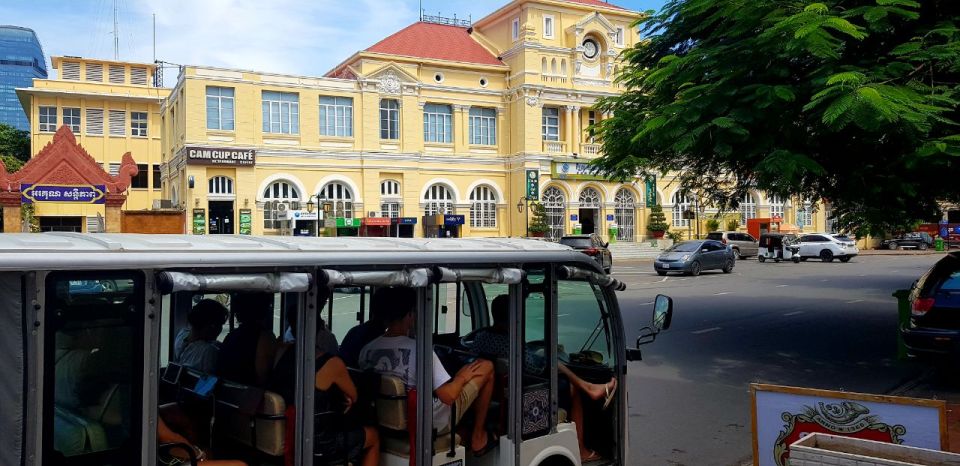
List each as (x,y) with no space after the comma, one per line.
(390,79)
(65,162)
(595,20)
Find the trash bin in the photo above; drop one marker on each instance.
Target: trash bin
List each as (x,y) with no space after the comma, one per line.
(612,233)
(938,244)
(903,318)
(577,228)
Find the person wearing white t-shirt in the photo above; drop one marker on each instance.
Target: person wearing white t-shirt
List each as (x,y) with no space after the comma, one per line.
(394,353)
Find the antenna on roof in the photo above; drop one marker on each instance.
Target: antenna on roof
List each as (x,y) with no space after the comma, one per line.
(116,36)
(421,10)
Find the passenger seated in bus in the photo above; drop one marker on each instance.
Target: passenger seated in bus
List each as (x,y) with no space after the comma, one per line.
(394,354)
(196,347)
(494,341)
(177,456)
(247,353)
(362,334)
(335,395)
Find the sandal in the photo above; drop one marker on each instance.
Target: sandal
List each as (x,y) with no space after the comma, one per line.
(492,442)
(593,456)
(609,395)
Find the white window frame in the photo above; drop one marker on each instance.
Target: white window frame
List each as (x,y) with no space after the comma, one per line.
(625,214)
(551,122)
(281,112)
(483,126)
(218,101)
(515,29)
(549,26)
(117,120)
(71,118)
(336,116)
(390,189)
(437,124)
(389,119)
(220,187)
(390,209)
(748,208)
(138,124)
(438,199)
(94,122)
(342,197)
(777,207)
(47,119)
(555,202)
(280,190)
(681,203)
(804,214)
(619,37)
(483,207)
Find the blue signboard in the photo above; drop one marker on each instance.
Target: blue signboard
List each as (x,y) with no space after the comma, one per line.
(956,230)
(404,221)
(944,232)
(454,219)
(30,193)
(574,217)
(609,217)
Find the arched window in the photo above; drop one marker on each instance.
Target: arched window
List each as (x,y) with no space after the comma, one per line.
(556,204)
(276,192)
(681,203)
(563,67)
(543,65)
(590,199)
(776,206)
(624,212)
(553,66)
(748,209)
(438,200)
(483,207)
(341,196)
(220,186)
(390,199)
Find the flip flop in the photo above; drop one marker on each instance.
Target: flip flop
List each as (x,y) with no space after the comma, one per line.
(491,444)
(593,456)
(610,393)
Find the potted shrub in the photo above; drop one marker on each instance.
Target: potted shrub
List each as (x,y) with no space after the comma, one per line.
(657,225)
(733,224)
(713,225)
(538,227)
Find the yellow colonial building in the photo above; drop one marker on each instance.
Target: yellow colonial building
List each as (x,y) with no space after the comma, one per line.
(112,108)
(444,128)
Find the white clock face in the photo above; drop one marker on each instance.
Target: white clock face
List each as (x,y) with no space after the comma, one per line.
(590,49)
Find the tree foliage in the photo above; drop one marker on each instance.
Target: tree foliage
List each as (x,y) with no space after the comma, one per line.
(657,221)
(851,101)
(538,222)
(14,143)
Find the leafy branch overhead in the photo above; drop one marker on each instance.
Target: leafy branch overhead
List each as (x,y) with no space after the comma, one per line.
(851,101)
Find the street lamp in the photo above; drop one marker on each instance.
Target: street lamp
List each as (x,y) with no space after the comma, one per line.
(311,205)
(525,202)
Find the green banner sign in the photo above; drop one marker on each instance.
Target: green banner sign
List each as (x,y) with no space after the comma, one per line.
(348,222)
(533,185)
(246,221)
(199,221)
(650,190)
(575,171)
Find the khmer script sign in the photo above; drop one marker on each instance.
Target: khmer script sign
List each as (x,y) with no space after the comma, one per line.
(88,194)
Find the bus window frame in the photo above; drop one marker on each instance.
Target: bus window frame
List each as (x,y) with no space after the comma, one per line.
(144,326)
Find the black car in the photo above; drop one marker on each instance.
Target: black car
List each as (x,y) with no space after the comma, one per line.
(918,240)
(592,245)
(934,327)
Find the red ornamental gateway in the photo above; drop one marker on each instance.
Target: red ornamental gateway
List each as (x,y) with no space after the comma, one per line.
(847,418)
(65,167)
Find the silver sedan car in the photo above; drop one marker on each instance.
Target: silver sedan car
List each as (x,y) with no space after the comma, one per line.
(693,257)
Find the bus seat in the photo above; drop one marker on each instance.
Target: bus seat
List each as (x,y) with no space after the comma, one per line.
(251,416)
(75,435)
(393,404)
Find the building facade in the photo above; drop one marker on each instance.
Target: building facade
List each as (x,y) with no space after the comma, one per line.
(443,128)
(21,61)
(112,108)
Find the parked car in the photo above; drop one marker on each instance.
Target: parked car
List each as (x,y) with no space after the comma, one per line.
(743,244)
(592,245)
(827,247)
(916,240)
(693,257)
(934,326)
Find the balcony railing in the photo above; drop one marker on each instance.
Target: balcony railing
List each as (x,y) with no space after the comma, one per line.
(590,150)
(555,147)
(553,78)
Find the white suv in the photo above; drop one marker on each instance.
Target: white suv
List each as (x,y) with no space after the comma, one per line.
(827,247)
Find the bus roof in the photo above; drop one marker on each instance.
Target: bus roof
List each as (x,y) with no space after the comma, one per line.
(65,251)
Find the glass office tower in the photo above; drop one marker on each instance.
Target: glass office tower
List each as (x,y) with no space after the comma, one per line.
(21,60)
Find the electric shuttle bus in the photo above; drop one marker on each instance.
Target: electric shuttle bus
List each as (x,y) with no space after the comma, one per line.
(93,329)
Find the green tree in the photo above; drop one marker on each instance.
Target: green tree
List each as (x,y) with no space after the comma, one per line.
(11,163)
(14,143)
(657,221)
(850,101)
(538,220)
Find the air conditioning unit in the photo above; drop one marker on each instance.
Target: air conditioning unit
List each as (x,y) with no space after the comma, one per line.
(162,204)
(373,213)
(282,207)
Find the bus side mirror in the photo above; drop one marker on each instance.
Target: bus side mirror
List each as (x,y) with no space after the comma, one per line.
(662,313)
(634,354)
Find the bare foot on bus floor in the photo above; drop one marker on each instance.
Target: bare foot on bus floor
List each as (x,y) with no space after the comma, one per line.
(599,391)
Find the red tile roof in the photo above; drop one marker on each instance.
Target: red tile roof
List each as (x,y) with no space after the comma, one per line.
(437,42)
(597,3)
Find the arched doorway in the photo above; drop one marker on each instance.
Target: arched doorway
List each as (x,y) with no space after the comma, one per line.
(556,204)
(624,211)
(341,197)
(590,204)
(220,197)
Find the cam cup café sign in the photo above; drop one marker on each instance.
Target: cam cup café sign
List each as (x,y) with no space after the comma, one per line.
(221,156)
(89,194)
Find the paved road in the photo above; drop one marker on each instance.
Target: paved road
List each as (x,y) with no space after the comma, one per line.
(812,324)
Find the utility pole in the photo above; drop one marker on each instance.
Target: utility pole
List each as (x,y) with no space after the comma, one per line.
(154,37)
(116,36)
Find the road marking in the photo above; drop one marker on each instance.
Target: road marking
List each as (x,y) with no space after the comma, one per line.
(634,273)
(722,293)
(664,279)
(782,286)
(706,330)
(855,301)
(794,313)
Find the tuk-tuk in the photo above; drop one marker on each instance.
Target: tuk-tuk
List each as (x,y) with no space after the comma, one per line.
(778,247)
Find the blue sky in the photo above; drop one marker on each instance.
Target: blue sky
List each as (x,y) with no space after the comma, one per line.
(305,37)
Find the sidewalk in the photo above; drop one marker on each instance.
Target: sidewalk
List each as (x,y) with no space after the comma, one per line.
(932,385)
(899,252)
